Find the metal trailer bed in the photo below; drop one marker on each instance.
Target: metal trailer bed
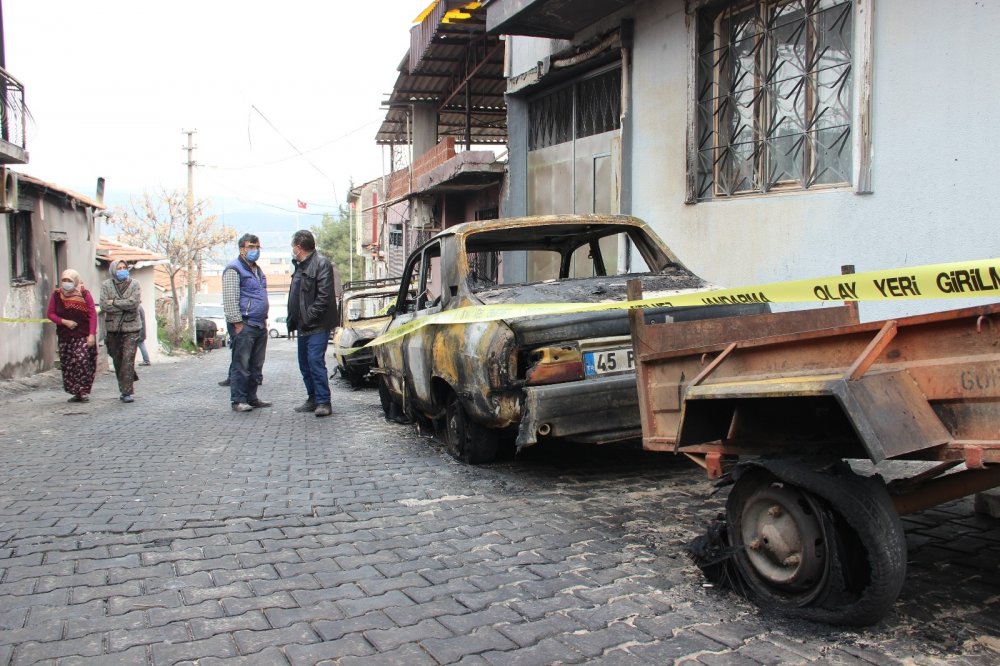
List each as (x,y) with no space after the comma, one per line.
(776,403)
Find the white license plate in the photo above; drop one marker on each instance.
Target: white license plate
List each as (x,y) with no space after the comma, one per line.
(607,361)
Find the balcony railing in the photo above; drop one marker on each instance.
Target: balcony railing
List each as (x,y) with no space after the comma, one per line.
(12,120)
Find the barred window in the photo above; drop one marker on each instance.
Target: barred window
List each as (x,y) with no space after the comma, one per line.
(775,85)
(590,106)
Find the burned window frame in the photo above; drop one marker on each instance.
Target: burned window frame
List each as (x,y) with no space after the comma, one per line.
(709,151)
(19,235)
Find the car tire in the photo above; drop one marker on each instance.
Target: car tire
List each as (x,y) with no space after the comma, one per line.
(273,333)
(467,440)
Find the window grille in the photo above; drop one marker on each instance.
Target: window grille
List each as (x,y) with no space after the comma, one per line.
(599,103)
(775,85)
(587,107)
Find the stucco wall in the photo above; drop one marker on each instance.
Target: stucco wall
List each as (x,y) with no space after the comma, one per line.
(31,348)
(935,86)
(935,82)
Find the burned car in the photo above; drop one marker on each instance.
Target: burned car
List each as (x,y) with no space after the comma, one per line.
(364,315)
(570,376)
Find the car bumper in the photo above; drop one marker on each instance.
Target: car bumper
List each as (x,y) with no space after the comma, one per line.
(598,410)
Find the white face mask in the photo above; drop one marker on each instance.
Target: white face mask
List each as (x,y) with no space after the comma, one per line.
(68,285)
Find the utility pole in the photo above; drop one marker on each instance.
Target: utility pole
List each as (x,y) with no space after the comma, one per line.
(190,227)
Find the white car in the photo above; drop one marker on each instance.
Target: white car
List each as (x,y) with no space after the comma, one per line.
(278,327)
(217,316)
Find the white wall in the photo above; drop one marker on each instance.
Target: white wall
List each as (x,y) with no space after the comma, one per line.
(936,88)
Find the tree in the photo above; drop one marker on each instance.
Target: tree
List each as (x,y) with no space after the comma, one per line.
(333,239)
(159,223)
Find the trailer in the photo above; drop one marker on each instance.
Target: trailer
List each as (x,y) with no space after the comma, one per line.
(783,406)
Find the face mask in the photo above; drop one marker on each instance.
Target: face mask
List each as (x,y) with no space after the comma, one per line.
(121,274)
(253,255)
(68,285)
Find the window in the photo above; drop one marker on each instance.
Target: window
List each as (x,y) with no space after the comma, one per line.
(774,96)
(19,232)
(588,107)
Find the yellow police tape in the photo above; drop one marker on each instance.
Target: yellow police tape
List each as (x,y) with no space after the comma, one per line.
(21,320)
(954,280)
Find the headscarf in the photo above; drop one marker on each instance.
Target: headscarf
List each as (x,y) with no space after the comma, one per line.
(70,274)
(113,266)
(73,300)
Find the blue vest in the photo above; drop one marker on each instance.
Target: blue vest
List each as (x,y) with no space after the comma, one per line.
(253,293)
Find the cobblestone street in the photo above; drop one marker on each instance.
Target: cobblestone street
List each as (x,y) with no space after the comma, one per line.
(174,530)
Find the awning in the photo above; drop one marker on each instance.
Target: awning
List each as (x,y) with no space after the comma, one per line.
(453,64)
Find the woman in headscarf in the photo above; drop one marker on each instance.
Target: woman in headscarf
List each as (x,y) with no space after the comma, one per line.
(71,308)
(120,299)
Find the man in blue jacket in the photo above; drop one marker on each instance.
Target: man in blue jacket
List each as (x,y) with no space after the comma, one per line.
(312,311)
(244,302)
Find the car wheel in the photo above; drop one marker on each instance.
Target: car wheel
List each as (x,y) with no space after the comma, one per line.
(467,440)
(392,410)
(273,333)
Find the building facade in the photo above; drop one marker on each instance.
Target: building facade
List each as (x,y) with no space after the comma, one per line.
(765,140)
(48,229)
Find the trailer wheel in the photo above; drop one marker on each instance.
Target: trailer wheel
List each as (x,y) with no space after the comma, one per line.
(467,440)
(819,545)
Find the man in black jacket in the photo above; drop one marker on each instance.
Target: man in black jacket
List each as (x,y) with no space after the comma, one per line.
(312,311)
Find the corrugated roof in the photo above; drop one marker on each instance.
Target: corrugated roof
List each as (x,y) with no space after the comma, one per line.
(446,54)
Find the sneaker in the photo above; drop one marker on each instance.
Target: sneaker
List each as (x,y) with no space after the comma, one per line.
(75,398)
(84,398)
(307,406)
(144,363)
(259,403)
(241,407)
(224,382)
(127,398)
(323,410)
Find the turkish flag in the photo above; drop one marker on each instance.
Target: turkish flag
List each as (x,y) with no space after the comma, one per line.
(301,203)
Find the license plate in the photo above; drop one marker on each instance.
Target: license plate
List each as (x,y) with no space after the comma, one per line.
(607,361)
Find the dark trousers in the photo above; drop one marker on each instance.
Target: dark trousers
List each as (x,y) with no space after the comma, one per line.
(247,366)
(312,365)
(121,349)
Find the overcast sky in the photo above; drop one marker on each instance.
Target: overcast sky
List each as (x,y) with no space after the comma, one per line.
(111,84)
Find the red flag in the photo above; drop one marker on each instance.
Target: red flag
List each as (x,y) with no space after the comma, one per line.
(301,203)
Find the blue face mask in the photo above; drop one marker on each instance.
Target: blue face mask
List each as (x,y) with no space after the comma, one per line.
(121,274)
(253,255)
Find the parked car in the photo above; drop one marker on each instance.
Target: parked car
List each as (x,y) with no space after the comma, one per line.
(570,376)
(215,314)
(277,327)
(364,315)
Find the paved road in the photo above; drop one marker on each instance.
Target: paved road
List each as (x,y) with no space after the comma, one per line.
(174,530)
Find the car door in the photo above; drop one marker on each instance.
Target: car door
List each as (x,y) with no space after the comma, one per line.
(418,347)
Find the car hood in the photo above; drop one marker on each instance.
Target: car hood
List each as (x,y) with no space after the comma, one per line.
(584,325)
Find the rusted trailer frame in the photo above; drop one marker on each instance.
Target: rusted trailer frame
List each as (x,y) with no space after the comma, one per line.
(776,403)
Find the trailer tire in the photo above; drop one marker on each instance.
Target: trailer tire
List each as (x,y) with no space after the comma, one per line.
(467,440)
(851,545)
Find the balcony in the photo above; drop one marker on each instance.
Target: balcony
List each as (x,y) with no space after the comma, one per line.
(12,121)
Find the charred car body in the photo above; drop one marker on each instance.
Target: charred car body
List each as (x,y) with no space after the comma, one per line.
(363,317)
(570,375)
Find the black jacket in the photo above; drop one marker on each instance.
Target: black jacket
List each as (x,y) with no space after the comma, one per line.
(314,283)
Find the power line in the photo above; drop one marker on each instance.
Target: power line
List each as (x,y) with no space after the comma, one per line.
(290,157)
(301,154)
